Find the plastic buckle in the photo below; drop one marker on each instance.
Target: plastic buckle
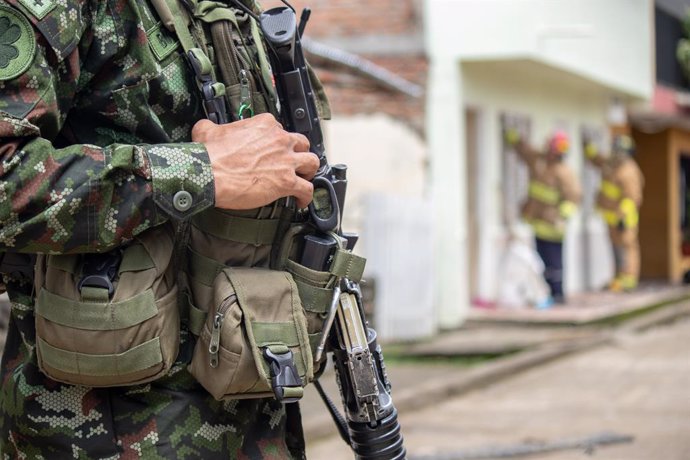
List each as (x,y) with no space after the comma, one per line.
(214,102)
(213,92)
(100,271)
(284,375)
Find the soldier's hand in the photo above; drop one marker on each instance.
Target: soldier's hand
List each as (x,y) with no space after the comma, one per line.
(255,162)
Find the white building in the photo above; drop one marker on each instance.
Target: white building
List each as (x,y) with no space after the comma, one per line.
(559,64)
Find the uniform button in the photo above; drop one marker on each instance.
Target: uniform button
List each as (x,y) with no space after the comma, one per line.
(182,201)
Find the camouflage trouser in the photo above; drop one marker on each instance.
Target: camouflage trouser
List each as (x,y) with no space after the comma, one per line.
(171,418)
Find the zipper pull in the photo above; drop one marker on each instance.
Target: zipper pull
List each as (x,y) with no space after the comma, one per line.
(245,96)
(214,345)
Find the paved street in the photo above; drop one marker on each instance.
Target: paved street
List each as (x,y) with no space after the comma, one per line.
(638,386)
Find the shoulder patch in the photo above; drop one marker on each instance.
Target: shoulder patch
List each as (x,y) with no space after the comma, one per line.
(17,43)
(39,8)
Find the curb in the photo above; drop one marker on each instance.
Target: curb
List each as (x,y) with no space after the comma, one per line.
(432,392)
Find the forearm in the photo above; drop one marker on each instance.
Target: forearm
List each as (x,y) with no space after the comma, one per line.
(84,198)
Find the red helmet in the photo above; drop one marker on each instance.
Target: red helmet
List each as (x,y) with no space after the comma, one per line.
(559,143)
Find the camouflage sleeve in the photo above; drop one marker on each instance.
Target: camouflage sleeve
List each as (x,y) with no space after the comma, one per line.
(77,198)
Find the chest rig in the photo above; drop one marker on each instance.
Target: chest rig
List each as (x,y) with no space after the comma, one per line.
(258,315)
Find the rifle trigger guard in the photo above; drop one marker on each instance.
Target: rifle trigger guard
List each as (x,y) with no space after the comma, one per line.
(325,214)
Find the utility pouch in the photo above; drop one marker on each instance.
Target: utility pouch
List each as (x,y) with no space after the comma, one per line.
(317,264)
(254,342)
(220,239)
(109,319)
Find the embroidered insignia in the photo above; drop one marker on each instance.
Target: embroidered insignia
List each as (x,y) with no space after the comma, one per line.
(161,43)
(39,8)
(17,43)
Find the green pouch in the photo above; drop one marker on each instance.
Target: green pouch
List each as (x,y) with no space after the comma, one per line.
(256,313)
(316,288)
(92,337)
(220,239)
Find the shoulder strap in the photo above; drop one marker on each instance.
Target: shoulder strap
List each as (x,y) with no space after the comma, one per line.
(212,91)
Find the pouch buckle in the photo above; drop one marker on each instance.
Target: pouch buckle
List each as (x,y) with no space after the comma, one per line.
(285,381)
(212,91)
(100,271)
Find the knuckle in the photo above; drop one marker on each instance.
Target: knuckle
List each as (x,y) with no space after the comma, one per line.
(201,129)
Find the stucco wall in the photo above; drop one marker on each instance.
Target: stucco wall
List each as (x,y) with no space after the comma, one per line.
(607,41)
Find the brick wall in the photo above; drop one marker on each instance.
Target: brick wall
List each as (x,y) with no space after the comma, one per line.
(349,17)
(339,21)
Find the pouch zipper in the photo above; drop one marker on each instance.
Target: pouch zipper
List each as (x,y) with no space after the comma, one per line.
(214,344)
(247,85)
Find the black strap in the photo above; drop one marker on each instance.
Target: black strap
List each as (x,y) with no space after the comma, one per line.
(294,433)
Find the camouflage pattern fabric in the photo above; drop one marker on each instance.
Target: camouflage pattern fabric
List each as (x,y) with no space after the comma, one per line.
(94,143)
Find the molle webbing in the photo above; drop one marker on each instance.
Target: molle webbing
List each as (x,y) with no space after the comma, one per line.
(135,359)
(236,228)
(96,316)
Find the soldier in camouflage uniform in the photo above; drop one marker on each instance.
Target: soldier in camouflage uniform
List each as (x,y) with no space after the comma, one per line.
(101,125)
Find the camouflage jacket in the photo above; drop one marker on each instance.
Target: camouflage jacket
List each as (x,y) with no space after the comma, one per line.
(96,108)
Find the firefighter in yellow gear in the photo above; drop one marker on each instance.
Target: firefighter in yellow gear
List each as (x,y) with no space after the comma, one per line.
(618,201)
(553,196)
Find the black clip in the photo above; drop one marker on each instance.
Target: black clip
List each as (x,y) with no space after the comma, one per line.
(100,270)
(284,375)
(212,91)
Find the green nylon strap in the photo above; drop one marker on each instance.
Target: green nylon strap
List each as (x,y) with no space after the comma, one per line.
(136,258)
(202,268)
(91,295)
(209,12)
(277,348)
(310,276)
(293,392)
(314,299)
(348,265)
(135,359)
(181,30)
(65,263)
(235,228)
(96,316)
(272,334)
(197,318)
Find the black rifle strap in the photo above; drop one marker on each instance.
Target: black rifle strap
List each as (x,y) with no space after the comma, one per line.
(340,423)
(294,433)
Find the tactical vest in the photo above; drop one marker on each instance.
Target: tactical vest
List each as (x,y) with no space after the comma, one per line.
(232,278)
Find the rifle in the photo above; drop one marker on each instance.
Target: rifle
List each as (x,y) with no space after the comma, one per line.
(372,430)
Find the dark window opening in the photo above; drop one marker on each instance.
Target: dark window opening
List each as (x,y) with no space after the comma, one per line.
(668,30)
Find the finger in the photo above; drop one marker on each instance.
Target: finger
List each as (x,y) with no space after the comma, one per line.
(304,193)
(307,164)
(301,143)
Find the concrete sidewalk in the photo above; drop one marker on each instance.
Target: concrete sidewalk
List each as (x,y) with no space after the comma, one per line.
(491,347)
